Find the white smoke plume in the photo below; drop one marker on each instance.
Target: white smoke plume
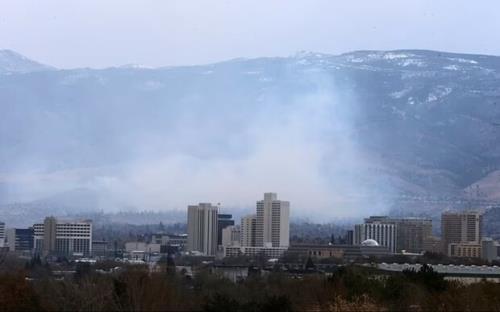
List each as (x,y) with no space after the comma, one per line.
(301,146)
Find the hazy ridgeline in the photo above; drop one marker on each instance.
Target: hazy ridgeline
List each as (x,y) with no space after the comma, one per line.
(337,136)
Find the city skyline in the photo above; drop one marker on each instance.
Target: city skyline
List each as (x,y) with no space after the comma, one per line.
(249,155)
(216,235)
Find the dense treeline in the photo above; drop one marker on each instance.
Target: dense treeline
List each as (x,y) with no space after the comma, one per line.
(136,289)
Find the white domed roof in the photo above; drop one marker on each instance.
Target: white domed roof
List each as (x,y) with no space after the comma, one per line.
(369,242)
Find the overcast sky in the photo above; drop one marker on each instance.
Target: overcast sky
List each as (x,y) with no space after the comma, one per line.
(101,33)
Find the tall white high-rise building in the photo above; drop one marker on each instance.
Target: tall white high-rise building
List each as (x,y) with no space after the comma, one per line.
(202,228)
(247,228)
(272,222)
(265,233)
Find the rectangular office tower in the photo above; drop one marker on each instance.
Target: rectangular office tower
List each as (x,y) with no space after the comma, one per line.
(20,239)
(413,234)
(63,238)
(381,229)
(223,220)
(408,234)
(272,222)
(247,228)
(202,229)
(461,233)
(2,234)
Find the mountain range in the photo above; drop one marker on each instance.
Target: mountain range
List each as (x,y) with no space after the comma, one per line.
(415,131)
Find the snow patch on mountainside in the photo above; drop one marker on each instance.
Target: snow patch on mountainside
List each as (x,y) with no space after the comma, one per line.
(400,94)
(356,60)
(438,93)
(451,67)
(135,66)
(410,62)
(462,60)
(393,55)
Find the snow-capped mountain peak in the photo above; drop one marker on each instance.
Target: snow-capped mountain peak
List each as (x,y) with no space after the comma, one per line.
(13,62)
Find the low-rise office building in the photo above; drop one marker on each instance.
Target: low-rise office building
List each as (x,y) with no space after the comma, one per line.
(142,247)
(338,251)
(490,249)
(169,239)
(99,248)
(142,250)
(170,243)
(464,250)
(462,273)
(267,252)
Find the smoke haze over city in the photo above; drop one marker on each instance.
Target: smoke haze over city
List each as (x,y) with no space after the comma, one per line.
(317,128)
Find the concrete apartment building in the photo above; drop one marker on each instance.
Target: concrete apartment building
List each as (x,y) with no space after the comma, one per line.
(461,233)
(247,230)
(231,236)
(64,238)
(2,234)
(273,222)
(202,229)
(413,234)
